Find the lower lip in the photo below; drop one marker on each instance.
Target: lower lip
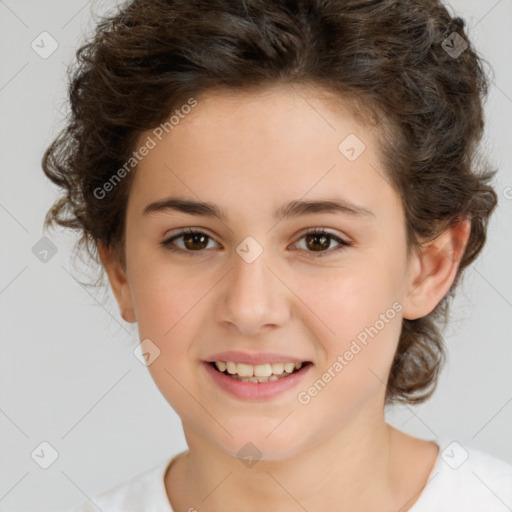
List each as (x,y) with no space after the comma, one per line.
(256,390)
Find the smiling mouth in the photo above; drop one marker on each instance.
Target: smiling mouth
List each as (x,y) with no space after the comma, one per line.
(258,373)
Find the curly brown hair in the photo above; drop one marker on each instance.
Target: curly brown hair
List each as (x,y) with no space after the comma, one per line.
(390,58)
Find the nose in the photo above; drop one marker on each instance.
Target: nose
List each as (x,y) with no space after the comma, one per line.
(253,298)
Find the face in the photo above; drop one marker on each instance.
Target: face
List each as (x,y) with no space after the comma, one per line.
(321,285)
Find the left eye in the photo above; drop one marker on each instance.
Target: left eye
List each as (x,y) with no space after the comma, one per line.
(196,241)
(320,238)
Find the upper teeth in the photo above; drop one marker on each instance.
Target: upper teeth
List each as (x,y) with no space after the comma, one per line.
(258,370)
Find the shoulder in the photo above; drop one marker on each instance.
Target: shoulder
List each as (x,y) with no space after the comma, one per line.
(467,478)
(144,491)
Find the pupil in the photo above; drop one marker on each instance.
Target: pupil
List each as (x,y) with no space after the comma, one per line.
(194,237)
(323,239)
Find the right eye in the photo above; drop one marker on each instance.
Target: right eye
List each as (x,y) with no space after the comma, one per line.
(193,241)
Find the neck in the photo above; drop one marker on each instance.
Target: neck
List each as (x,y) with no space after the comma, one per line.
(334,474)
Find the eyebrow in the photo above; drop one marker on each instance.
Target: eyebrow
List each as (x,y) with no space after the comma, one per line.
(292,209)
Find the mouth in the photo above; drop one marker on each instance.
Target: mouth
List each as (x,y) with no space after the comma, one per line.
(260,373)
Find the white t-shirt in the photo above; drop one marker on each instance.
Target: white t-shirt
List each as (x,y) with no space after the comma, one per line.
(463,479)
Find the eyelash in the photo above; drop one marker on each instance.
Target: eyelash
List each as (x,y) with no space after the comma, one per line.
(168,244)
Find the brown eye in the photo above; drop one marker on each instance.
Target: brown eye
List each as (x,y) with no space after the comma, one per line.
(195,241)
(319,242)
(192,241)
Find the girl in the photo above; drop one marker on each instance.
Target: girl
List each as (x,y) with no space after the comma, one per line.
(284,196)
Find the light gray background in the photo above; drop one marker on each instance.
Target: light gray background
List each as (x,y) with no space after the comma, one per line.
(68,375)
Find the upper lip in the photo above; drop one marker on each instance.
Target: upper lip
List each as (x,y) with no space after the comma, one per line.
(257,358)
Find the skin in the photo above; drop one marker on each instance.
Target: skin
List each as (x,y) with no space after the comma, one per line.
(250,153)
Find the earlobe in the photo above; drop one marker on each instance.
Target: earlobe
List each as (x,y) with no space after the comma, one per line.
(118,282)
(434,269)
(129,315)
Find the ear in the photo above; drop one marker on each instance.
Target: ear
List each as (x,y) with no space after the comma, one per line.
(433,270)
(118,282)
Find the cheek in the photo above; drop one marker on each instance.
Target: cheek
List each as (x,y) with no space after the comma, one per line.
(357,313)
(166,298)
(356,359)
(169,306)
(349,299)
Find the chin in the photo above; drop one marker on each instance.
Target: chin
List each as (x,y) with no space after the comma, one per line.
(256,444)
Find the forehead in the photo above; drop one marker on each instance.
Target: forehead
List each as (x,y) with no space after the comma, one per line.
(244,150)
